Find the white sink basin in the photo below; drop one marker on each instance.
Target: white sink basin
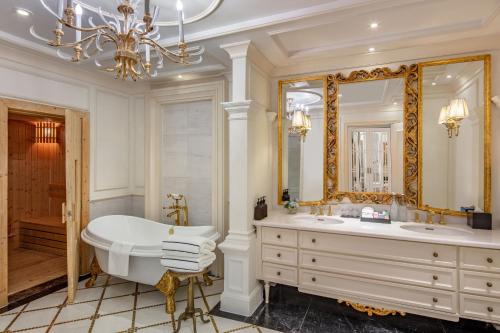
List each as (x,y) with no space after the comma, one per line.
(427,229)
(317,219)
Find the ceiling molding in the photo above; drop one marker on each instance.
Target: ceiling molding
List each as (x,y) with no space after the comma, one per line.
(387,38)
(285,17)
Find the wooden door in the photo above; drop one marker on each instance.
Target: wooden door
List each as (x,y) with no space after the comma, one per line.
(73,211)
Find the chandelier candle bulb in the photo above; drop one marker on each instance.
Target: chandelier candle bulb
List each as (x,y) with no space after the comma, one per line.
(60,12)
(180,16)
(146,7)
(148,53)
(78,12)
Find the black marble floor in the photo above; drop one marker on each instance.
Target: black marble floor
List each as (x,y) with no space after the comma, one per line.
(292,312)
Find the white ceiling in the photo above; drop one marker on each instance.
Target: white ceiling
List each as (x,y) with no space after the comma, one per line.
(292,32)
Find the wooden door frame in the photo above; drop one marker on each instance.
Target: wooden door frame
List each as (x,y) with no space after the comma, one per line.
(30,108)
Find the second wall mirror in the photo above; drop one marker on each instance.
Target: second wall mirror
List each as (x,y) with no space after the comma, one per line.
(301,139)
(454,135)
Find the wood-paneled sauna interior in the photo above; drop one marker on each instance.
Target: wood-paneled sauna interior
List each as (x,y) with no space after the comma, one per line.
(36,192)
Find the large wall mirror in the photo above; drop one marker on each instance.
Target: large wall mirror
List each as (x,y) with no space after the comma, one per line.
(301,139)
(372,129)
(454,135)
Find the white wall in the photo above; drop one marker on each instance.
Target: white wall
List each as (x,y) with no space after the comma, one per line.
(113,106)
(424,55)
(186,158)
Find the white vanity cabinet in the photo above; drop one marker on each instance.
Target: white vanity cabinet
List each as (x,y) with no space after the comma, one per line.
(426,278)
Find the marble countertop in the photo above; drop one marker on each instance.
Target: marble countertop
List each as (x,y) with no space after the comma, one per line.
(353,226)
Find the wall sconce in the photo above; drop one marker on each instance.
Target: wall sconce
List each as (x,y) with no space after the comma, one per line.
(46,132)
(301,120)
(452,115)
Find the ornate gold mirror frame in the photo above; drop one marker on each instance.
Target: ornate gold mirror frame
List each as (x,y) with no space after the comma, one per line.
(281,84)
(486,59)
(410,124)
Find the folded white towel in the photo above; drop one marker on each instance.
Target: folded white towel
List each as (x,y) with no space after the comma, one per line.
(183,264)
(184,255)
(118,258)
(189,244)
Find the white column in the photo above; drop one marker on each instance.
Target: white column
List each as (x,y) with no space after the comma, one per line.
(242,292)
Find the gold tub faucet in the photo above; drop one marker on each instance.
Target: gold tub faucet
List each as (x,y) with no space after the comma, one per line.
(178,208)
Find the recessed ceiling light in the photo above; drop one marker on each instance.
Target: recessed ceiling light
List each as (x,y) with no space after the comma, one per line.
(371,49)
(433,83)
(374,25)
(23,12)
(340,95)
(449,76)
(394,103)
(179,76)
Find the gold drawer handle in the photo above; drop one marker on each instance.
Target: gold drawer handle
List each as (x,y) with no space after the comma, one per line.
(490,309)
(435,277)
(435,254)
(489,284)
(279,255)
(278,236)
(278,273)
(313,259)
(434,299)
(313,279)
(489,260)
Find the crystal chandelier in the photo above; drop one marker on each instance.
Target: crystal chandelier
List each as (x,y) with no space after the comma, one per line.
(301,120)
(134,40)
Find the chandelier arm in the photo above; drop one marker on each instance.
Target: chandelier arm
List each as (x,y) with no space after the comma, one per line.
(49,9)
(164,51)
(82,29)
(106,22)
(87,45)
(37,36)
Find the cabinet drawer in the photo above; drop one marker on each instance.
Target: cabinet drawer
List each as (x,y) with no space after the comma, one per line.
(426,276)
(480,259)
(279,274)
(279,255)
(277,236)
(340,285)
(486,284)
(485,308)
(423,253)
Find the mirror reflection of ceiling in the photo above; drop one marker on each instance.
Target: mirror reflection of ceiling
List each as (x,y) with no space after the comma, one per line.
(386,94)
(450,77)
(308,93)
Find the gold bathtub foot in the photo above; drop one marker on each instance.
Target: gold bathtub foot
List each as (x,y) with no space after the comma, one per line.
(95,270)
(168,285)
(208,281)
(371,310)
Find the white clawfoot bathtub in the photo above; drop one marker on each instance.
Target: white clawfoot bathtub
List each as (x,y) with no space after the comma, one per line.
(147,237)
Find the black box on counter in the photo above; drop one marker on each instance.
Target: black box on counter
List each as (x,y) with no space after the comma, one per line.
(477,220)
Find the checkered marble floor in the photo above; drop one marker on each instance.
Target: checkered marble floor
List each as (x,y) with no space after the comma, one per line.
(114,305)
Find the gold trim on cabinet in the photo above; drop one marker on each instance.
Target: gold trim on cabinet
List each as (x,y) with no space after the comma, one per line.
(369,310)
(280,136)
(486,58)
(410,75)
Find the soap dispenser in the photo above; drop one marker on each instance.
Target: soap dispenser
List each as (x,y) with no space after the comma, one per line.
(403,210)
(394,208)
(285,197)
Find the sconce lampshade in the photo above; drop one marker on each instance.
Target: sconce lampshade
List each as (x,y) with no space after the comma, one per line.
(46,132)
(444,115)
(458,109)
(298,119)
